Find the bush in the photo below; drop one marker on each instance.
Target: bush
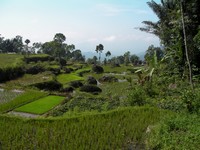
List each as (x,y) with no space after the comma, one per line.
(137,97)
(172,104)
(51,86)
(10,73)
(67,70)
(90,89)
(37,58)
(76,84)
(97,69)
(192,100)
(63,62)
(91,80)
(67,89)
(108,79)
(175,132)
(35,69)
(55,71)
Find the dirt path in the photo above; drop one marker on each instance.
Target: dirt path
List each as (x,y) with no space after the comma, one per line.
(22,114)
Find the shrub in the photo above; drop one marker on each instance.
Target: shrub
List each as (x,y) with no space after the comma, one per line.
(63,62)
(192,100)
(175,132)
(36,58)
(91,80)
(10,73)
(67,70)
(67,89)
(97,69)
(172,104)
(51,85)
(35,69)
(108,79)
(55,71)
(90,89)
(137,97)
(76,84)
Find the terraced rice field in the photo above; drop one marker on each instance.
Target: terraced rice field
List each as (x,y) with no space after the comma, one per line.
(41,105)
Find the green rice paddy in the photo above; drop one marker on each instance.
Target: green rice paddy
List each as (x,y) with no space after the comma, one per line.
(66,78)
(42,105)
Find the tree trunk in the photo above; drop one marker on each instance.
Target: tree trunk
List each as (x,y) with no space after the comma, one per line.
(186,49)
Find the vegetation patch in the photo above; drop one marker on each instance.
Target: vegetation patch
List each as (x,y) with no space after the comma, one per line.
(97,69)
(42,105)
(49,86)
(38,57)
(28,79)
(9,60)
(90,89)
(76,84)
(108,79)
(22,99)
(66,78)
(176,132)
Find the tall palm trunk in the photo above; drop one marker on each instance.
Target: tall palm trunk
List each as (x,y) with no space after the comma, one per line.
(186,47)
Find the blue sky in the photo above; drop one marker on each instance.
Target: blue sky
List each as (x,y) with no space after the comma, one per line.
(85,23)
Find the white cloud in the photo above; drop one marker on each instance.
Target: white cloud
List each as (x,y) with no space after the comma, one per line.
(92,40)
(110,38)
(34,21)
(114,10)
(111,10)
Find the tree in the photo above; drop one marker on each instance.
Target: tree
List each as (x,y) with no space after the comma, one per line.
(119,59)
(77,55)
(59,37)
(94,59)
(151,51)
(127,57)
(134,59)
(18,44)
(177,27)
(108,54)
(99,49)
(37,46)
(27,41)
(59,47)
(185,44)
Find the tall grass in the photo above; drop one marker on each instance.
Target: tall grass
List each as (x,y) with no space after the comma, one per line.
(9,60)
(119,129)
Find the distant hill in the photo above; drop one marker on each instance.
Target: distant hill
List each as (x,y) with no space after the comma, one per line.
(92,54)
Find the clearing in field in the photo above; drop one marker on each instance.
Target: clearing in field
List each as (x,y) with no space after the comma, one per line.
(42,105)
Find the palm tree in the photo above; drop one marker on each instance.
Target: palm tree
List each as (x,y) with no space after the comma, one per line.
(108,54)
(99,49)
(27,41)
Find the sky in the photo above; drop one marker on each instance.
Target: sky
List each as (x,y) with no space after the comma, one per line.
(85,23)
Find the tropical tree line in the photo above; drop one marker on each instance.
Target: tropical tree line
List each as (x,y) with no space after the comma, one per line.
(178,28)
(57,48)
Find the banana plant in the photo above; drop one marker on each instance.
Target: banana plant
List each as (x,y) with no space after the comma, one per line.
(146,74)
